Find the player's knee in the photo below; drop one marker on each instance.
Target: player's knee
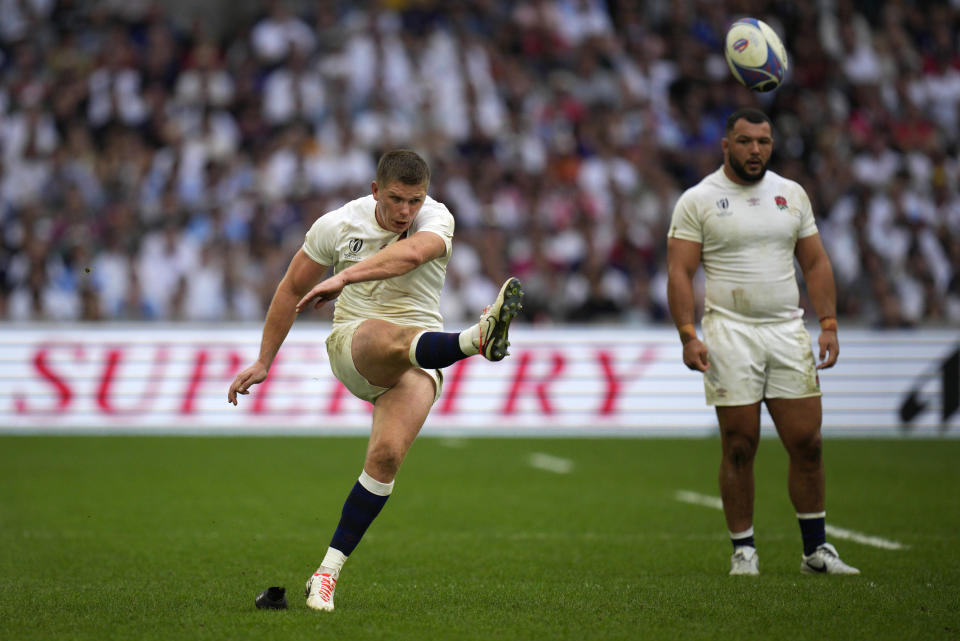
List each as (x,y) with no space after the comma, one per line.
(740,451)
(741,457)
(809,450)
(386,457)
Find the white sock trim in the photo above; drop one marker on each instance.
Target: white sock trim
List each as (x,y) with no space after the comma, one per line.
(812,515)
(468,340)
(334,560)
(741,535)
(374,486)
(413,353)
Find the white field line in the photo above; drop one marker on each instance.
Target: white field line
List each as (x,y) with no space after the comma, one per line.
(686,496)
(866,539)
(550,463)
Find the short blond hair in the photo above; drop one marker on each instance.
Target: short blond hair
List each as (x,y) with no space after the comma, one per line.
(402,165)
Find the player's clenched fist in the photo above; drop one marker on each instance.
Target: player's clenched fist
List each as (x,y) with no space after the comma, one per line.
(695,355)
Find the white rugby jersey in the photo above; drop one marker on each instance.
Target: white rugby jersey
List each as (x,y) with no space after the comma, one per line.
(748,235)
(350,234)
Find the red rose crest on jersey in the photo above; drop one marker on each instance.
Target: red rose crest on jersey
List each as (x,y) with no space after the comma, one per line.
(781,202)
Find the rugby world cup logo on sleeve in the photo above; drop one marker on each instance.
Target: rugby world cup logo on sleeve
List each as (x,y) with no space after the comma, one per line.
(781,202)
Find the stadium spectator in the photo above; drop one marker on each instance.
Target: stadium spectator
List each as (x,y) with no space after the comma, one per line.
(280,34)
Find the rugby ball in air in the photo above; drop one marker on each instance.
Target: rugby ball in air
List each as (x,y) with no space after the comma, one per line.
(755,54)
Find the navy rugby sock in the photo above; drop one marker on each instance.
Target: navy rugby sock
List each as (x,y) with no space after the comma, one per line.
(813,529)
(362,506)
(436,350)
(741,539)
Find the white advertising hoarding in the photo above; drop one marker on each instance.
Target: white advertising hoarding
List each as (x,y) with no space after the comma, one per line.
(600,381)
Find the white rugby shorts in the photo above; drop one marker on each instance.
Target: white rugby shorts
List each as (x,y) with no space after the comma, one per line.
(339,351)
(753,361)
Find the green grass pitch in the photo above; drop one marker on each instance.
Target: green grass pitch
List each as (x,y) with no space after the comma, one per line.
(171,538)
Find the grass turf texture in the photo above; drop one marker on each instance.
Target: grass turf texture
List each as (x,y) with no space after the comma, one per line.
(172,538)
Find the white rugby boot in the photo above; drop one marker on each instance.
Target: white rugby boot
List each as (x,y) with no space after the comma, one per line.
(825,560)
(495,321)
(745,561)
(320,589)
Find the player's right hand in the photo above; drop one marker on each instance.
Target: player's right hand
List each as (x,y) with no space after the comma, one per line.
(245,380)
(695,355)
(322,292)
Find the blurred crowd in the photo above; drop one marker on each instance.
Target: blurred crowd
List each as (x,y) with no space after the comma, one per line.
(154,168)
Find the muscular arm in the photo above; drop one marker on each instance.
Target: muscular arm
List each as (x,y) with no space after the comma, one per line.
(394,260)
(683,259)
(302,273)
(818,275)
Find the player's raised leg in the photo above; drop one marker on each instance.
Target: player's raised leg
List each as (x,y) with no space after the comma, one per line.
(489,337)
(798,424)
(739,438)
(398,415)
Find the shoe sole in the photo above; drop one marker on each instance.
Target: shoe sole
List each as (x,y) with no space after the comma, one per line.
(755,571)
(808,569)
(504,310)
(320,608)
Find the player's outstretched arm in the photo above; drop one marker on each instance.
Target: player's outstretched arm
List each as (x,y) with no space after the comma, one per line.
(302,273)
(683,259)
(393,260)
(818,275)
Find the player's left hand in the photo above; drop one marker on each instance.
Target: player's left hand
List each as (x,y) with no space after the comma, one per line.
(695,355)
(829,349)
